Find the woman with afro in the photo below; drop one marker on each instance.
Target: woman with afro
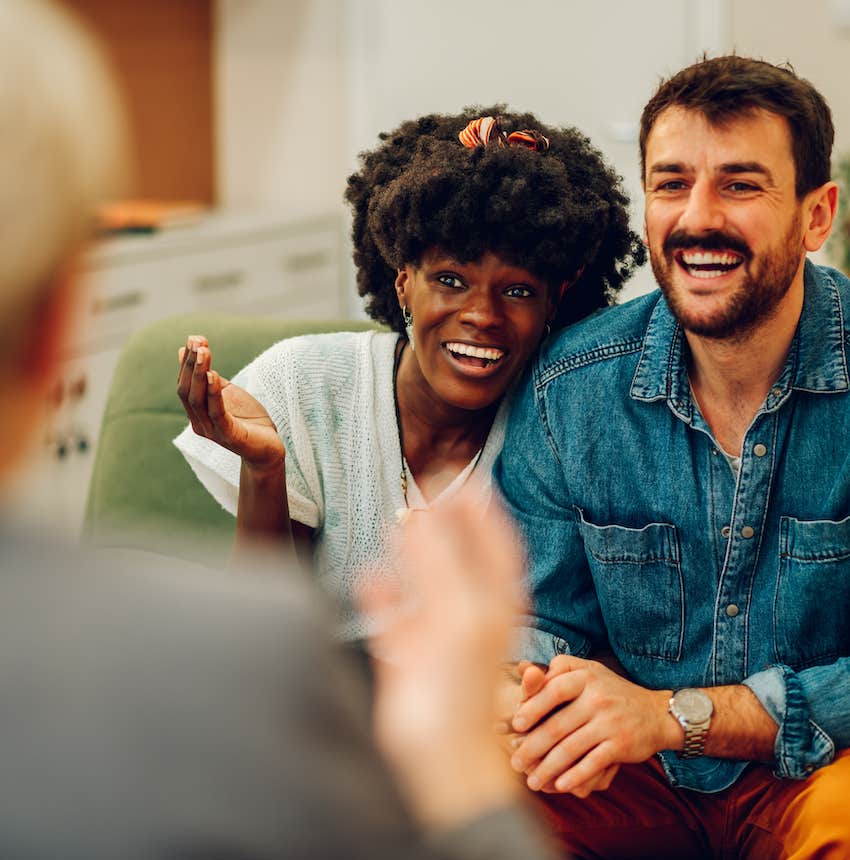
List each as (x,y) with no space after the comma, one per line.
(475,237)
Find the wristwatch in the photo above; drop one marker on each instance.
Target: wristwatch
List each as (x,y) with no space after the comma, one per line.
(693,709)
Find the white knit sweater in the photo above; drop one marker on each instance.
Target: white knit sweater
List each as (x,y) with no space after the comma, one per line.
(331,398)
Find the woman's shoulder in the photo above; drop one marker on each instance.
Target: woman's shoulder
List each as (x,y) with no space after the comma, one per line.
(329,348)
(328,362)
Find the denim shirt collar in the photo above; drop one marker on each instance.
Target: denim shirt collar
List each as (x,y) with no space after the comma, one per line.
(816,361)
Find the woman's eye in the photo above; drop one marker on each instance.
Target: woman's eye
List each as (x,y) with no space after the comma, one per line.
(518,291)
(450,281)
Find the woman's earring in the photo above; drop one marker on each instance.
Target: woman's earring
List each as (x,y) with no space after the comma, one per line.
(548,331)
(407,316)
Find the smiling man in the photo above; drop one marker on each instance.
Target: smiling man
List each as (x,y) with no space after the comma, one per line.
(679,466)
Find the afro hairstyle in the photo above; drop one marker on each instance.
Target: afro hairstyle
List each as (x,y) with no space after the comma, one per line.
(559,213)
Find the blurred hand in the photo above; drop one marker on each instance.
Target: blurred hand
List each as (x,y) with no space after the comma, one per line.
(436,693)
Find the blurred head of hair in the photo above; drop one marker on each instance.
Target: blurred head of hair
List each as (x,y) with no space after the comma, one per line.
(62,150)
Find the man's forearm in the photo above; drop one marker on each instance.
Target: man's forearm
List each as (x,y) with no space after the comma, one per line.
(740,727)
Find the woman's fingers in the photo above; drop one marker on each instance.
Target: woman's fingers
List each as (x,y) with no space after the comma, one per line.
(198,392)
(216,408)
(184,382)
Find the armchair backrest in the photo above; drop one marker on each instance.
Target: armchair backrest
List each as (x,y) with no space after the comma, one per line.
(142,492)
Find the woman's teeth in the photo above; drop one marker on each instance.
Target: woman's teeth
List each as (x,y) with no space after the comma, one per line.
(485,353)
(708,264)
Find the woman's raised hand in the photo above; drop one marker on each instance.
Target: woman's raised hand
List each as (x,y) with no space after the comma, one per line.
(224,412)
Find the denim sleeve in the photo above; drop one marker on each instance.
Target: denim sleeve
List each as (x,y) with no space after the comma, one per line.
(565,617)
(812,711)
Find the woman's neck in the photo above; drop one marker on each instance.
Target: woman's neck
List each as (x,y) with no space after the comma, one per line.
(437,436)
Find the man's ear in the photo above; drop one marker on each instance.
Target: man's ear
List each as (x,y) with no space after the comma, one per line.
(819,212)
(401,285)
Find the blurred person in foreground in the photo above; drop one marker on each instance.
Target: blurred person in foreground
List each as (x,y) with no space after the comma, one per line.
(149,710)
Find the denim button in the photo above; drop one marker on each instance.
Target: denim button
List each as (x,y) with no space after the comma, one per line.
(747,532)
(732,610)
(759,450)
(776,392)
(560,645)
(726,531)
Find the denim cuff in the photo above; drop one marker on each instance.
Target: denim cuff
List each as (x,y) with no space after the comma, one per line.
(541,646)
(801,745)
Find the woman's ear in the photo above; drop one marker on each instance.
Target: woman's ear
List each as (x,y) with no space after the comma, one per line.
(401,284)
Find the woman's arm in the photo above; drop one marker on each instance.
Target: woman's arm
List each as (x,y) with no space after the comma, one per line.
(233,418)
(263,513)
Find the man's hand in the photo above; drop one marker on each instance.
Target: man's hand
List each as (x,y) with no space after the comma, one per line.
(591,720)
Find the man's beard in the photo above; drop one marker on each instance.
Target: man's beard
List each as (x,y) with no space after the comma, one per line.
(755,300)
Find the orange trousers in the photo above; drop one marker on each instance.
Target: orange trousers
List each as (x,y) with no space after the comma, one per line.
(760,817)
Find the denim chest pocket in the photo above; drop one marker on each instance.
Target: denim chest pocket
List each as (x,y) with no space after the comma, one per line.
(638,578)
(811,611)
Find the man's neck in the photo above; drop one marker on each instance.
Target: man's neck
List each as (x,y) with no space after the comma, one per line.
(732,377)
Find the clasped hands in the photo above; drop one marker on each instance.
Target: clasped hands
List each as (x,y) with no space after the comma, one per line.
(578,721)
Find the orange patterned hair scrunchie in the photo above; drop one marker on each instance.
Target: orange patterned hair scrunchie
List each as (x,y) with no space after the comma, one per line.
(486,129)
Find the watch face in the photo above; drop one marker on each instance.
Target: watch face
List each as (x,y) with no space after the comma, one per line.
(694,705)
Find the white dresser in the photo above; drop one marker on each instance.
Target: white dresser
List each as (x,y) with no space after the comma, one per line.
(228,262)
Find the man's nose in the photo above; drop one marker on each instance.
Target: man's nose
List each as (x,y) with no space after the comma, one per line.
(704,211)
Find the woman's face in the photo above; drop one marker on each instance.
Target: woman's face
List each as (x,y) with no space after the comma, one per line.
(475,325)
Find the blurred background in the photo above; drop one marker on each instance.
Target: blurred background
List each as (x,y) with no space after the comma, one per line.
(247,116)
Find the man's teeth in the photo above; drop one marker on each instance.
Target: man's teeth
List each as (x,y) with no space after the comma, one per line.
(485,352)
(707,258)
(710,264)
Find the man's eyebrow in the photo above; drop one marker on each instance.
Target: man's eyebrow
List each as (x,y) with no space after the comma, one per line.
(730,169)
(667,167)
(746,167)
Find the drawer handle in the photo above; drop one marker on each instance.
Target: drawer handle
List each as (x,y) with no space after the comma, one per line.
(303,262)
(217,282)
(119,302)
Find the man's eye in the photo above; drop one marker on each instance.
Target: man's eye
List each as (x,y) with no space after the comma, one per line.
(742,187)
(448,280)
(671,185)
(518,291)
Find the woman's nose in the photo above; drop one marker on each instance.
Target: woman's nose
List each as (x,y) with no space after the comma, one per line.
(481,309)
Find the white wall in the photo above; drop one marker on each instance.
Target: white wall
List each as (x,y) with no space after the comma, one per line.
(281,105)
(303,85)
(814,36)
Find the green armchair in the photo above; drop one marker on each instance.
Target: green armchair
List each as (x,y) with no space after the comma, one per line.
(143,493)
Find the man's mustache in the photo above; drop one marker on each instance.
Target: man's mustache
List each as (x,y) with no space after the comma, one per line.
(713,241)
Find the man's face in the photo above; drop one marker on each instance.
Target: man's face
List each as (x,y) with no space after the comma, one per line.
(723,222)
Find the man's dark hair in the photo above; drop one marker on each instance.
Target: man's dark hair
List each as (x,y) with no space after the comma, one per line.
(559,213)
(731,87)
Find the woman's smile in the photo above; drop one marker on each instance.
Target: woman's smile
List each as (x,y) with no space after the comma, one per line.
(475,324)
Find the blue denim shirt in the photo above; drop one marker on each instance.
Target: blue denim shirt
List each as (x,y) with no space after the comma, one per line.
(641,539)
